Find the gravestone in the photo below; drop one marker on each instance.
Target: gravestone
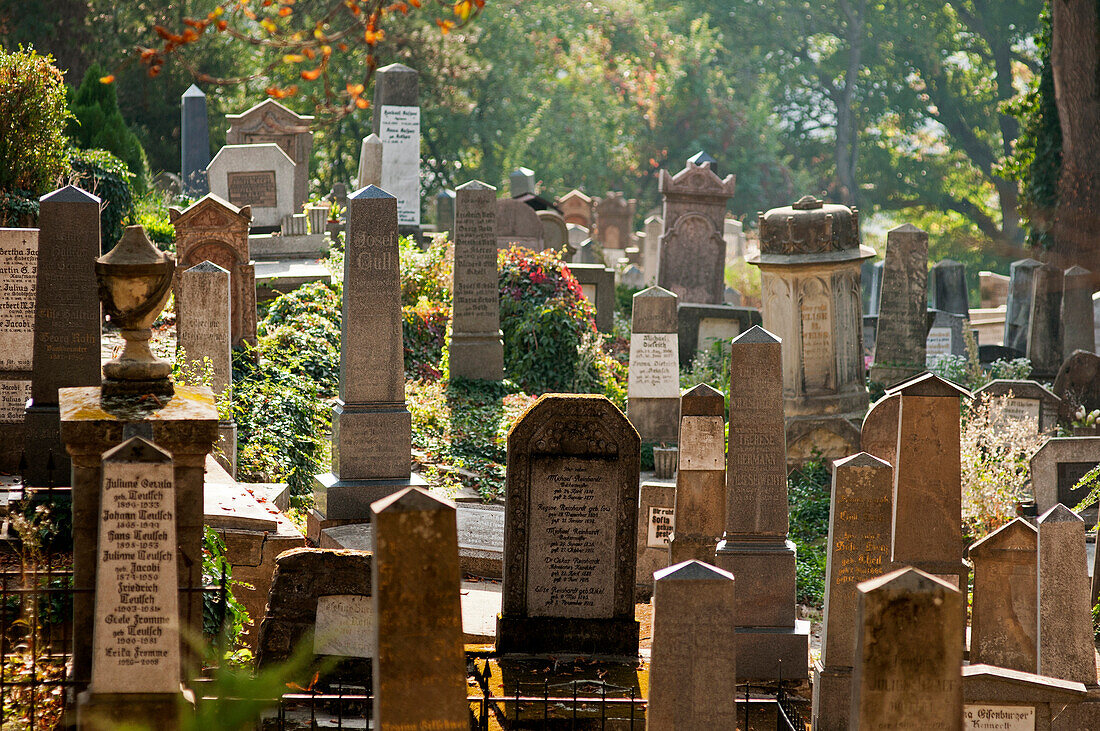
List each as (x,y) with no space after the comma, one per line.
(1057,466)
(18,267)
(927,523)
(517,223)
(587,253)
(371,153)
(692,676)
(859,549)
(653,386)
(569,542)
(521,181)
(576,208)
(947,287)
(271,122)
(1078,384)
(733,232)
(259,177)
(872,289)
(555,235)
(194,141)
(701,326)
(477,350)
(212,229)
(67,323)
(692,251)
(654,225)
(202,320)
(656,521)
(1018,304)
(1078,326)
(810,256)
(754,546)
(1044,332)
(993,288)
(632,278)
(136,641)
(614,221)
(445,213)
(396,121)
(1066,647)
(879,435)
(701,476)
(371,427)
(1011,700)
(902,322)
(598,284)
(419,665)
(1005,613)
(946,336)
(908,654)
(1029,400)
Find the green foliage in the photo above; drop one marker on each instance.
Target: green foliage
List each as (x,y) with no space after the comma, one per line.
(104,175)
(32,123)
(97,124)
(425,274)
(808,495)
(624,300)
(222,625)
(151,212)
(424,332)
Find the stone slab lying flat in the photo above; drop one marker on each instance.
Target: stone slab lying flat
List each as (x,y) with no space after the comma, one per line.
(480,607)
(268,246)
(285,275)
(232,506)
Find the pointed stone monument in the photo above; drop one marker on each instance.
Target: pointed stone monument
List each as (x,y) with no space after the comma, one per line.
(370,161)
(1066,647)
(477,350)
(194,142)
(902,303)
(1018,306)
(1044,331)
(701,477)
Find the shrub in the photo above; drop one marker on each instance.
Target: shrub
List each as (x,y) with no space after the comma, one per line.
(151,213)
(97,124)
(808,493)
(425,274)
(104,175)
(424,330)
(32,123)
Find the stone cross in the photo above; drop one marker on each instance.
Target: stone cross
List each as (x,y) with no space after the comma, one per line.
(370,161)
(1018,306)
(948,285)
(903,300)
(420,664)
(1004,616)
(653,388)
(66,324)
(203,319)
(701,478)
(754,546)
(908,654)
(477,350)
(194,141)
(1078,328)
(1044,332)
(1066,649)
(859,549)
(19,266)
(692,677)
(396,121)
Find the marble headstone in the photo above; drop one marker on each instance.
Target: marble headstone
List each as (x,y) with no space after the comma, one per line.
(260,176)
(653,388)
(396,121)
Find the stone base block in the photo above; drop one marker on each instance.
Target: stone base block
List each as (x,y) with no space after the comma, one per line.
(691,548)
(342,502)
(42,442)
(773,653)
(1077,716)
(284,247)
(370,443)
(477,355)
(832,698)
(563,637)
(765,588)
(656,419)
(111,711)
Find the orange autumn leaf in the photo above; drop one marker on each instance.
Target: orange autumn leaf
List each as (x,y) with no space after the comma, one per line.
(342,46)
(374,36)
(445,25)
(108,79)
(312,74)
(362,103)
(284,11)
(355,89)
(222,25)
(414,3)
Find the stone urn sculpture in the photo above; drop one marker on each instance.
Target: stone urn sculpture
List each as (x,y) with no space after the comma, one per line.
(135,279)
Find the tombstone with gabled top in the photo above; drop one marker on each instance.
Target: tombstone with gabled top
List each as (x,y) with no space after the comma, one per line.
(1066,648)
(1044,328)
(396,121)
(576,208)
(1005,612)
(614,221)
(270,121)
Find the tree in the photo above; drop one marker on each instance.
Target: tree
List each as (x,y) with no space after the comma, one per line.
(97,124)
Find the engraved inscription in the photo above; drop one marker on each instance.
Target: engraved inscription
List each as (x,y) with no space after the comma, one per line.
(654,366)
(981,717)
(661,522)
(817,338)
(476,295)
(399,129)
(18,268)
(702,443)
(344,626)
(253,188)
(13,400)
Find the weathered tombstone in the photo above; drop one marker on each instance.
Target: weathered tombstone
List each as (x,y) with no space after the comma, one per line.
(1078,384)
(555,235)
(902,322)
(692,251)
(653,386)
(194,141)
(654,225)
(202,320)
(859,549)
(947,285)
(67,324)
(419,665)
(656,521)
(633,278)
(927,524)
(1029,400)
(445,213)
(371,154)
(872,290)
(733,232)
(1001,698)
(908,654)
(136,669)
(1044,332)
(598,284)
(396,121)
(517,223)
(214,230)
(1004,616)
(810,255)
(1018,306)
(271,122)
(371,427)
(993,288)
(754,546)
(1066,648)
(1058,465)
(879,435)
(19,266)
(946,336)
(701,476)
(477,350)
(1078,326)
(587,253)
(260,177)
(614,220)
(692,677)
(701,326)
(576,208)
(521,181)
(569,542)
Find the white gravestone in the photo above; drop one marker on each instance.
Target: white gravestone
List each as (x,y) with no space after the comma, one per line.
(400,132)
(344,626)
(654,366)
(938,343)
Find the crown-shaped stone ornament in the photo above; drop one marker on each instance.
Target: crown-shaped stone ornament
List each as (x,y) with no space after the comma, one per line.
(135,279)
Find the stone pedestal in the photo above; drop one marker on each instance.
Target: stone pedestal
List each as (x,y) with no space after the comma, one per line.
(187,427)
(112,711)
(653,390)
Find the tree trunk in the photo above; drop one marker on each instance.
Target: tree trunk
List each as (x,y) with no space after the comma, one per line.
(1076,67)
(847,121)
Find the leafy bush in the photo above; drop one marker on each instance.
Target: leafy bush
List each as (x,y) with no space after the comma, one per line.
(97,124)
(151,212)
(104,175)
(425,274)
(424,332)
(808,494)
(32,123)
